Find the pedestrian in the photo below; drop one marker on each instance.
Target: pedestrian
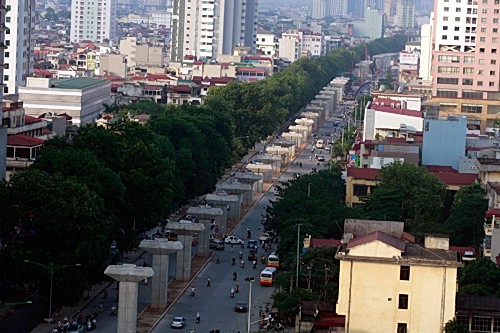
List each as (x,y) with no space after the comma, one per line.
(209,282)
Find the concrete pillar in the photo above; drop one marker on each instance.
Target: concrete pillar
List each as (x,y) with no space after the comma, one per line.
(233,186)
(252,179)
(160,249)
(184,233)
(204,214)
(229,204)
(128,275)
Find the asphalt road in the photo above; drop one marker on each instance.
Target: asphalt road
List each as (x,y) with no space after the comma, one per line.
(214,304)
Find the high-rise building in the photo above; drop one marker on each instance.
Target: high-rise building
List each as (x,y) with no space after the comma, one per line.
(356,8)
(338,7)
(405,12)
(372,26)
(19,57)
(93,20)
(207,28)
(466,62)
(424,71)
(320,9)
(3,127)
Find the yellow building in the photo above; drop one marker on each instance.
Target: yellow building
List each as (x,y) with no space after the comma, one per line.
(387,284)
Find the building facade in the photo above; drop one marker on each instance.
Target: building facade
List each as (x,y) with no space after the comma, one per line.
(466,64)
(19,39)
(372,26)
(290,45)
(267,43)
(82,99)
(93,20)
(405,13)
(338,7)
(320,9)
(3,127)
(389,284)
(207,28)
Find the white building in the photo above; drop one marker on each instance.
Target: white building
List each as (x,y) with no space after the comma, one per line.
(313,44)
(93,20)
(426,50)
(372,26)
(321,9)
(338,7)
(266,42)
(82,99)
(290,45)
(205,29)
(19,39)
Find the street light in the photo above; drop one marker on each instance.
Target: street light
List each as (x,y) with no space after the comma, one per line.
(51,269)
(298,248)
(250,281)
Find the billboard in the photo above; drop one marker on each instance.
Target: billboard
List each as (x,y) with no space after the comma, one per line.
(408,58)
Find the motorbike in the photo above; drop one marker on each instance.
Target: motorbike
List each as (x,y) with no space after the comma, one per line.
(241,255)
(233,261)
(235,276)
(237,288)
(232,294)
(254,264)
(198,319)
(113,311)
(242,264)
(263,259)
(192,292)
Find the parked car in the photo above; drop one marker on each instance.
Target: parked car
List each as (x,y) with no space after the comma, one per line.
(234,240)
(265,237)
(321,158)
(252,244)
(241,306)
(178,322)
(216,244)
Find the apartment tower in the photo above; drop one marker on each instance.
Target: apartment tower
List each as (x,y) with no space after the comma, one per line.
(466,59)
(338,7)
(3,127)
(205,28)
(19,57)
(320,9)
(93,20)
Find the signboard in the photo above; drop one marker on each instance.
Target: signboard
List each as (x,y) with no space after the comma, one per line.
(408,58)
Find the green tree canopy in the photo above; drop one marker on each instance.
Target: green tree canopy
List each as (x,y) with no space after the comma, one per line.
(410,191)
(479,277)
(465,223)
(453,326)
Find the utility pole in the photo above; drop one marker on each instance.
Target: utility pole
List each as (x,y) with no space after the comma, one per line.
(309,190)
(298,254)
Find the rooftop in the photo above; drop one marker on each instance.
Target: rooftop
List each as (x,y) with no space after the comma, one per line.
(74,83)
(379,236)
(23,140)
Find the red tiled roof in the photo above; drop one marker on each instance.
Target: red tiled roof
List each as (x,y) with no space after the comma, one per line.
(439,168)
(158,76)
(180,89)
(253,57)
(221,80)
(65,115)
(493,211)
(23,141)
(362,173)
(408,237)
(321,242)
(455,178)
(403,112)
(189,57)
(463,249)
(379,236)
(199,62)
(197,79)
(329,321)
(30,119)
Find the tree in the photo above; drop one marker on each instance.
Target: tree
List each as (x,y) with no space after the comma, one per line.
(63,222)
(480,277)
(465,223)
(416,192)
(288,302)
(453,326)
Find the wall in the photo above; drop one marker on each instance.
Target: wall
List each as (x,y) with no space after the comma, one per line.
(444,141)
(370,301)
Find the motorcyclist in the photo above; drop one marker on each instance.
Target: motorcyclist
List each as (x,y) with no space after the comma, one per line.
(198,317)
(242,264)
(232,292)
(233,261)
(192,291)
(237,288)
(241,255)
(235,275)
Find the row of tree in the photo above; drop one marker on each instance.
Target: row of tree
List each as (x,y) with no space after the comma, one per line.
(108,184)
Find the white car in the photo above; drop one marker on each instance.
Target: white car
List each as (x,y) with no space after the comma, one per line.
(264,237)
(178,322)
(234,240)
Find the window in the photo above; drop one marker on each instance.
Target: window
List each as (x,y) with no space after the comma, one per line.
(446,9)
(482,30)
(6,78)
(403,301)
(479,83)
(444,37)
(468,60)
(483,20)
(458,9)
(491,84)
(457,19)
(455,37)
(445,18)
(492,72)
(449,58)
(448,69)
(495,20)
(404,273)
(468,70)
(445,27)
(402,328)
(457,29)
(471,108)
(481,324)
(7,19)
(360,190)
(494,40)
(482,39)
(447,93)
(495,30)
(467,82)
(472,94)
(447,80)
(482,50)
(480,72)
(481,61)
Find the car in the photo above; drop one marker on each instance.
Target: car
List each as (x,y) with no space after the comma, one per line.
(234,240)
(178,322)
(76,328)
(265,236)
(241,306)
(321,158)
(252,244)
(328,148)
(216,244)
